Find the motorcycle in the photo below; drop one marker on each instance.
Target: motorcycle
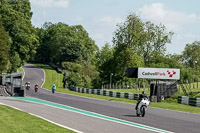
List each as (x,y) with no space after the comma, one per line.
(142,107)
(36,88)
(27,85)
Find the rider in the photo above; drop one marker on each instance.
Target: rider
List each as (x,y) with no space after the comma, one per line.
(141,96)
(53,88)
(27,84)
(36,86)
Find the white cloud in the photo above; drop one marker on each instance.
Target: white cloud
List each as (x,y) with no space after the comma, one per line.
(51,3)
(173,20)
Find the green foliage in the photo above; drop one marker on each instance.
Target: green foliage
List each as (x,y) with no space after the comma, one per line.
(144,38)
(72,67)
(81,75)
(191,60)
(105,62)
(191,56)
(65,43)
(16,19)
(4,49)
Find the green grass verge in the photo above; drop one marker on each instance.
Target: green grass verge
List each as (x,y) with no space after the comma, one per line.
(19,70)
(51,77)
(15,121)
(167,104)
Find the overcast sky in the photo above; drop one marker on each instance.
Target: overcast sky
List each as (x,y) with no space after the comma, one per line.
(100,17)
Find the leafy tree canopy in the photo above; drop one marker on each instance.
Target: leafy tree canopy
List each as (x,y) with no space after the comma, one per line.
(16,18)
(65,43)
(4,49)
(138,44)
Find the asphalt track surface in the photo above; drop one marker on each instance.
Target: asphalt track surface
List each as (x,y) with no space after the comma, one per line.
(174,121)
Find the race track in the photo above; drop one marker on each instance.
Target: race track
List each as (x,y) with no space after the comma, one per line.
(168,120)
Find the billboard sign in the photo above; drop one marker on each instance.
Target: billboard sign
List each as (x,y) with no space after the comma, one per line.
(158,73)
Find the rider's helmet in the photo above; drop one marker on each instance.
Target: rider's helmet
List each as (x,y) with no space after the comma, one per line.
(144,93)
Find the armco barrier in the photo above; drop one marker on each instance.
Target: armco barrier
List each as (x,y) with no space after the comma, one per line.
(130,96)
(189,101)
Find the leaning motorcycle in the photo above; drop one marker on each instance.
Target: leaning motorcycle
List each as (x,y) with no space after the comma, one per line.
(142,107)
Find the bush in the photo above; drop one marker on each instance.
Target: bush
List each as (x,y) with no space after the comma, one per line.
(80,75)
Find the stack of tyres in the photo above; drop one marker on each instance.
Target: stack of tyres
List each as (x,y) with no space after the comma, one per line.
(126,95)
(110,93)
(104,92)
(192,101)
(98,92)
(198,102)
(136,96)
(179,99)
(118,94)
(185,100)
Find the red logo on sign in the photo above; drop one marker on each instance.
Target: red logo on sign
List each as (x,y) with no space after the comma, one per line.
(171,73)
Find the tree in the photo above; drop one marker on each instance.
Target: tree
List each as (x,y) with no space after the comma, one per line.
(16,19)
(65,43)
(191,56)
(5,42)
(138,44)
(71,48)
(81,75)
(89,46)
(145,38)
(154,40)
(105,62)
(191,59)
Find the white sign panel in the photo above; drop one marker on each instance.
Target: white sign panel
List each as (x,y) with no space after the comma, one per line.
(158,73)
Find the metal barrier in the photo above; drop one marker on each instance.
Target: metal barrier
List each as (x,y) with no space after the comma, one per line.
(13,83)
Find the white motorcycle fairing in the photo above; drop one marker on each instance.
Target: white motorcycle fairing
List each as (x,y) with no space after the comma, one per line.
(142,107)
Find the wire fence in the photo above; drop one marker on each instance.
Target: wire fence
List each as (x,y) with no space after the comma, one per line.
(141,85)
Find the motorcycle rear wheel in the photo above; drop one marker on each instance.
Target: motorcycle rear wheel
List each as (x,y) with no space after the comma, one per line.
(137,113)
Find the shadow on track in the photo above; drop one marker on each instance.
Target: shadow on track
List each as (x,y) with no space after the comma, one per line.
(131,115)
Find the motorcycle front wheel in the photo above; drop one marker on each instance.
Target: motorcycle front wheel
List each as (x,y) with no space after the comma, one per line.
(143,111)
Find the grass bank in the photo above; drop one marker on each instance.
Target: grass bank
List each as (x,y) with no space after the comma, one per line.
(15,121)
(52,77)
